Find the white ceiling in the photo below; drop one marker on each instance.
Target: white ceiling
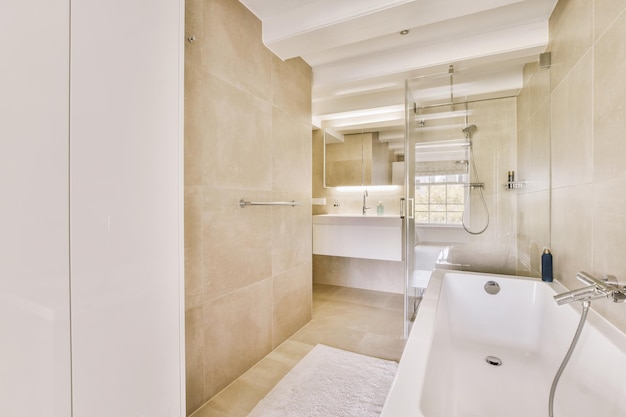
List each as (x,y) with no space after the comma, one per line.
(360,60)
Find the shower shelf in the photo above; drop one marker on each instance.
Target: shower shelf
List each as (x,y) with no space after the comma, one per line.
(514,185)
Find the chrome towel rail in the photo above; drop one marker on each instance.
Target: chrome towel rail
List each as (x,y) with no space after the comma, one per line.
(292,203)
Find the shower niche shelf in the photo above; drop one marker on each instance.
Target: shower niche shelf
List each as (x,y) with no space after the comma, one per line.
(514,185)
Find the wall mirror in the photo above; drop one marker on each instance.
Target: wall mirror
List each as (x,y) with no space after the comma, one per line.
(365,158)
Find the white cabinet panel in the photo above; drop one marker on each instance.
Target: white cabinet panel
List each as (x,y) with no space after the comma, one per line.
(126,168)
(355,236)
(34,243)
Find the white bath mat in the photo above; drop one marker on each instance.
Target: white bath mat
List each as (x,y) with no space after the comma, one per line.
(330,382)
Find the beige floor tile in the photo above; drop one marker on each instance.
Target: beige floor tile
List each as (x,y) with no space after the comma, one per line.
(361,321)
(292,350)
(239,397)
(382,346)
(209,410)
(323,291)
(318,331)
(362,318)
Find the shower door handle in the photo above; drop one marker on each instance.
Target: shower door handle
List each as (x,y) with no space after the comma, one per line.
(410,207)
(402,208)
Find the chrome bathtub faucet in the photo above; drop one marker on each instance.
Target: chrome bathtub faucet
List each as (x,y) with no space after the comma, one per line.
(607,287)
(365,208)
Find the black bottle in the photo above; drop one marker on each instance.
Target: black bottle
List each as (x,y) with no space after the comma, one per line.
(546,266)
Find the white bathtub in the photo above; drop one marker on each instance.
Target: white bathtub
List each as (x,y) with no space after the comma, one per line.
(443,371)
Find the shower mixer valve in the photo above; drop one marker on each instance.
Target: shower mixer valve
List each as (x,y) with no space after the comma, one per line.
(607,287)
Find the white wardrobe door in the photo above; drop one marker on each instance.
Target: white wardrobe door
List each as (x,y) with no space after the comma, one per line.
(34,243)
(125,197)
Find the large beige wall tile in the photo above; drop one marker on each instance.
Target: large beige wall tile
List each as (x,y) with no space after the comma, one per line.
(232,49)
(612,312)
(609,220)
(572,234)
(194,353)
(237,241)
(609,102)
(317,161)
(292,296)
(537,173)
(195,128)
(193,27)
(524,108)
(237,334)
(539,87)
(571,127)
(609,244)
(524,143)
(194,253)
(291,153)
(291,232)
(605,12)
(237,149)
(291,82)
(571,36)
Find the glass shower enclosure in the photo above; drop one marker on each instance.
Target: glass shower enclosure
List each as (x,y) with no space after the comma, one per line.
(476,173)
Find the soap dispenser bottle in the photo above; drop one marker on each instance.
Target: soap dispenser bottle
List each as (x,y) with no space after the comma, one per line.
(380,209)
(546,265)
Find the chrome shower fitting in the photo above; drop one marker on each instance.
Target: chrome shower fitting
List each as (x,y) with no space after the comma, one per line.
(468,130)
(607,287)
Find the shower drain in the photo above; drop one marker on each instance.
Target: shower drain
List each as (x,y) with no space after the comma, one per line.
(493,360)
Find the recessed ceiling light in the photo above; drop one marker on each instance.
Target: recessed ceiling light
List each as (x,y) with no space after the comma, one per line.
(404,32)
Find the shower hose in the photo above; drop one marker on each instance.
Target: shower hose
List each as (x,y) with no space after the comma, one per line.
(583,317)
(468,199)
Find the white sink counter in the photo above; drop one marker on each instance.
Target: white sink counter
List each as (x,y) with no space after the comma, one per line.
(358,236)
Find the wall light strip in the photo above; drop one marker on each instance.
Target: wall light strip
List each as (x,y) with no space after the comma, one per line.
(361,188)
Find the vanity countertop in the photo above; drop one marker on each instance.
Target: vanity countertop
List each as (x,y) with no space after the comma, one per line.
(357,219)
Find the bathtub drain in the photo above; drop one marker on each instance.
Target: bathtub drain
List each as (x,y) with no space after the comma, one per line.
(493,360)
(492,287)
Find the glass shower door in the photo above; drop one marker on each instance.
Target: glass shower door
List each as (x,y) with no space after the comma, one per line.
(410,291)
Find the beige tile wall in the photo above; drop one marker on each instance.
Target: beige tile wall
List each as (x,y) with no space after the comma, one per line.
(349,163)
(588,91)
(247,135)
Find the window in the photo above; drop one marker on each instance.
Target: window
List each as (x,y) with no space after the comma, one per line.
(440,199)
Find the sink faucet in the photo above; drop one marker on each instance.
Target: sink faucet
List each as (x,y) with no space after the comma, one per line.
(365,208)
(606,287)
